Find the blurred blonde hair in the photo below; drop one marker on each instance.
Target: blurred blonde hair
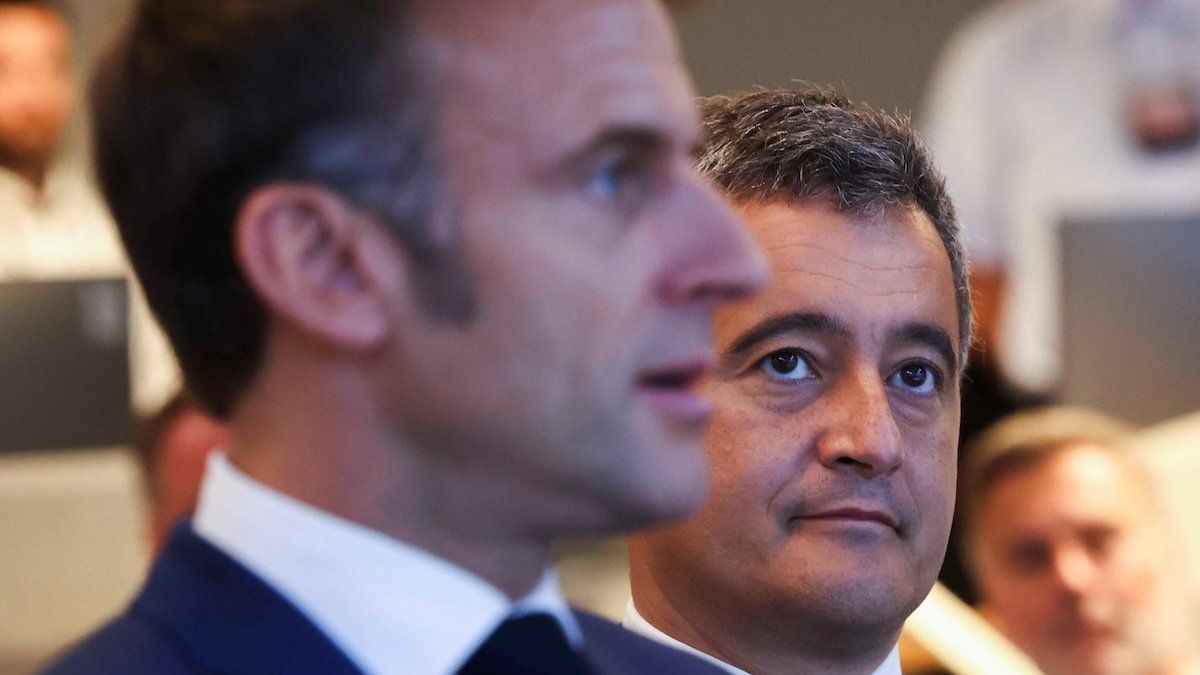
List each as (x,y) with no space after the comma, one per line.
(1026,439)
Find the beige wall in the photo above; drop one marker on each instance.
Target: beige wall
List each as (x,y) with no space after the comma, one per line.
(878,51)
(72,550)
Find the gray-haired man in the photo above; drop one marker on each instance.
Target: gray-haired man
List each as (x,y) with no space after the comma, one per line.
(833,445)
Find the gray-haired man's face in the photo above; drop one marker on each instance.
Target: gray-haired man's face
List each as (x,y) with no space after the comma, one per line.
(833,449)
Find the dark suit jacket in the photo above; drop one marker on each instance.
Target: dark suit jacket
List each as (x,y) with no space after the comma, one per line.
(203,612)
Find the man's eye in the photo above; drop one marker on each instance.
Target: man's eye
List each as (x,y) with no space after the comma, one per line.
(916,377)
(611,176)
(1029,557)
(1098,541)
(787,364)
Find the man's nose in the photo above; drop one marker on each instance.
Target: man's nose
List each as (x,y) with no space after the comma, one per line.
(718,261)
(1074,569)
(861,432)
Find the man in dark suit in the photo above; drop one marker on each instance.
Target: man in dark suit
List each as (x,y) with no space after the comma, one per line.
(444,269)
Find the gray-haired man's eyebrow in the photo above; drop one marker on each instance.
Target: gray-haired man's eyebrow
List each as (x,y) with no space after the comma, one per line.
(930,335)
(773,326)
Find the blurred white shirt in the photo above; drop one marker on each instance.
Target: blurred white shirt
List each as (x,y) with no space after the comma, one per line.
(65,233)
(1026,118)
(62,232)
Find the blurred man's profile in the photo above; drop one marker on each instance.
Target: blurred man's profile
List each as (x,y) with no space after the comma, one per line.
(445,271)
(172,448)
(1070,550)
(833,447)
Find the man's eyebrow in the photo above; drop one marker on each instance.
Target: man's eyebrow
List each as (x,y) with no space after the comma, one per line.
(644,138)
(640,139)
(932,336)
(772,326)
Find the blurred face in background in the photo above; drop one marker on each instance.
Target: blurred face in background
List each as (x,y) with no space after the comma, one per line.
(36,90)
(177,470)
(1072,564)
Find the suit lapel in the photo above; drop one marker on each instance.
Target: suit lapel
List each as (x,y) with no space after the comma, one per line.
(613,650)
(228,620)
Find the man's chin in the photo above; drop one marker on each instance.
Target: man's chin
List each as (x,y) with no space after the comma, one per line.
(31,149)
(858,598)
(661,487)
(854,550)
(1101,657)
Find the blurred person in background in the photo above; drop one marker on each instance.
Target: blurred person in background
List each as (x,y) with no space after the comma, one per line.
(37,89)
(172,448)
(1071,552)
(833,448)
(449,287)
(1044,110)
(52,222)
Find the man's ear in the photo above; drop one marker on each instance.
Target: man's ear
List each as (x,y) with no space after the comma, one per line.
(317,263)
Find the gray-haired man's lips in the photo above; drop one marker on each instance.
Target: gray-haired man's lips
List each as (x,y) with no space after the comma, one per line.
(848,515)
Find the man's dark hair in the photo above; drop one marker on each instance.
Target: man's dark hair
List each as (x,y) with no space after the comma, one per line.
(200,103)
(781,145)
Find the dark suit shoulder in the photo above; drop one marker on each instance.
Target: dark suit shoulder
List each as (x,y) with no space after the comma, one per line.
(127,644)
(202,612)
(615,650)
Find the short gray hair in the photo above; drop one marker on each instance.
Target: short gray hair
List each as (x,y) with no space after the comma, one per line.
(778,144)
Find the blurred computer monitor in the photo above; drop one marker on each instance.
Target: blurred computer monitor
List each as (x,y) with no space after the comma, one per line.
(64,364)
(1131,316)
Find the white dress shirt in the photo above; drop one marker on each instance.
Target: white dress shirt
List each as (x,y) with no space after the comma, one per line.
(390,607)
(63,231)
(636,623)
(1026,117)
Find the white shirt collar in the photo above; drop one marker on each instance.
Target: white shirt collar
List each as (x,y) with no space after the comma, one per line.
(635,622)
(61,180)
(64,232)
(391,607)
